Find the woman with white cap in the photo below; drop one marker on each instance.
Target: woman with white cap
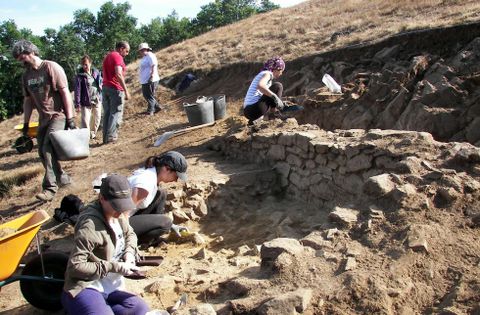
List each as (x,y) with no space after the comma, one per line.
(148,73)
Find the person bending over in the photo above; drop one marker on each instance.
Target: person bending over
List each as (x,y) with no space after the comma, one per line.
(148,219)
(264,97)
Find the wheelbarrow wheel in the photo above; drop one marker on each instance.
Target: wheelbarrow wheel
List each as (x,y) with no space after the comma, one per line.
(44,294)
(24,144)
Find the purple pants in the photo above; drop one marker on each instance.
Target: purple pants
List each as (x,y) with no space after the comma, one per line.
(92,302)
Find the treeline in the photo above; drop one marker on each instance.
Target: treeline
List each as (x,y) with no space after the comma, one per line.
(95,35)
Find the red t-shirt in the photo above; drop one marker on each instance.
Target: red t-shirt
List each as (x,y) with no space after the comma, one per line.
(112,60)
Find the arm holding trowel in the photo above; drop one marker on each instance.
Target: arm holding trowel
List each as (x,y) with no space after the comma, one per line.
(264,96)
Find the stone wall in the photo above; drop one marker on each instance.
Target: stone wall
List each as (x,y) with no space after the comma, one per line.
(390,168)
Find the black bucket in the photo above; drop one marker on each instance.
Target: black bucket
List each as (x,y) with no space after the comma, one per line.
(219,106)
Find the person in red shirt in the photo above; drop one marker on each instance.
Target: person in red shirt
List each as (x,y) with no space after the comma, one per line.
(45,87)
(114,92)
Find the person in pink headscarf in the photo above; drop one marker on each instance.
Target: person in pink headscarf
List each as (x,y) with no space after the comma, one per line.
(264,97)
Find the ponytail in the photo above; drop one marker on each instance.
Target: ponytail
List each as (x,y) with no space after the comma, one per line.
(154,161)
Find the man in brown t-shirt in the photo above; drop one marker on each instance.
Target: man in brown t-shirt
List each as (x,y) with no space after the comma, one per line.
(45,87)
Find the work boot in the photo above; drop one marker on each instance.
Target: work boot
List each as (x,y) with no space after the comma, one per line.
(45,195)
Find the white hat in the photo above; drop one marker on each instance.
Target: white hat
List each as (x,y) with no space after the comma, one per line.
(144,46)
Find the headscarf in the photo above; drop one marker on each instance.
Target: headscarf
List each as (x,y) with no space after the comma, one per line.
(275,63)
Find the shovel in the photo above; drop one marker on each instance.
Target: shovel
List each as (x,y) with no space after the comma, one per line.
(167,135)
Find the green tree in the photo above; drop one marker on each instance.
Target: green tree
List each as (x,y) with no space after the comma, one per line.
(11,97)
(115,24)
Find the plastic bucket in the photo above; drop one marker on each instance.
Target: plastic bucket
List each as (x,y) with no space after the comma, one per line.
(200,112)
(72,144)
(219,106)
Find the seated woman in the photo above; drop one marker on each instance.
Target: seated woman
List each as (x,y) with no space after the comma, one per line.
(104,251)
(148,219)
(264,97)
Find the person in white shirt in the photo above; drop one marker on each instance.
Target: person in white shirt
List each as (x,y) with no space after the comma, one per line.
(148,72)
(148,220)
(264,97)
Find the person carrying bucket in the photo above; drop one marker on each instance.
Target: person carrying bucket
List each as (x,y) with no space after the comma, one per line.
(45,87)
(264,97)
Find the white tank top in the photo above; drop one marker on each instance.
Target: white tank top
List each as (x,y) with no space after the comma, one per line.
(253,93)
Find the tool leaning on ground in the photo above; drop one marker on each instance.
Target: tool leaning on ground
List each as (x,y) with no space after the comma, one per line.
(167,135)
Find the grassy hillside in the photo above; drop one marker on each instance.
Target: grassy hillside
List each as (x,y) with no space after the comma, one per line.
(309,28)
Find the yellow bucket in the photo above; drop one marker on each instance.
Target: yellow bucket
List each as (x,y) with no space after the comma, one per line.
(32,129)
(14,245)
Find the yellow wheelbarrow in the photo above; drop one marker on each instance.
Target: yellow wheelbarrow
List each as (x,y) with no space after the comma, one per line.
(24,143)
(42,278)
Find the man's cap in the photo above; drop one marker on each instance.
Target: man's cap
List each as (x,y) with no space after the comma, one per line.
(177,162)
(144,46)
(116,189)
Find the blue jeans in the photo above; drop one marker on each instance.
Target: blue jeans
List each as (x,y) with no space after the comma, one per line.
(113,102)
(148,91)
(92,302)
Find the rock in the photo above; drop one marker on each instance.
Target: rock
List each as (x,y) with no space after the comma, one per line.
(197,239)
(175,194)
(416,238)
(200,309)
(315,240)
(179,216)
(201,254)
(276,152)
(331,233)
(387,53)
(322,191)
(344,216)
(377,186)
(350,264)
(376,214)
(201,209)
(287,304)
(243,250)
(272,249)
(359,162)
(354,249)
(447,195)
(164,284)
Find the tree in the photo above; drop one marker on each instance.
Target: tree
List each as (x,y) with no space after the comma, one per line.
(11,97)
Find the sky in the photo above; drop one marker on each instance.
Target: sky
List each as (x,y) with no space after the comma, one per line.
(39,15)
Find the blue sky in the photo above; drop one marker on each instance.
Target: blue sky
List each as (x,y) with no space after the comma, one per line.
(39,15)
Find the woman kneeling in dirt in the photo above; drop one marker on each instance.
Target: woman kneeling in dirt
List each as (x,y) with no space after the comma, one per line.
(264,96)
(104,251)
(148,219)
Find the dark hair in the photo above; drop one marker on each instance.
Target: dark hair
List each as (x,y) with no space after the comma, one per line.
(154,161)
(85,58)
(122,44)
(24,47)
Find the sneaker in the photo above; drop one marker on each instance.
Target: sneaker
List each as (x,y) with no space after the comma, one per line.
(45,195)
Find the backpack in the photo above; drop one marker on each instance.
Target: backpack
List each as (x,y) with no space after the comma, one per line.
(69,209)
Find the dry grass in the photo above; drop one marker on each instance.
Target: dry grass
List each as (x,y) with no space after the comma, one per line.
(307,28)
(17,178)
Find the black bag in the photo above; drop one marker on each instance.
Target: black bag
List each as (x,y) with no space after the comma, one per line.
(69,209)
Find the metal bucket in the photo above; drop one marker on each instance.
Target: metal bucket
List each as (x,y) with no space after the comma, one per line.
(201,112)
(72,144)
(219,106)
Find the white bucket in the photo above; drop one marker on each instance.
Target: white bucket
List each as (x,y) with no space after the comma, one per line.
(331,84)
(72,144)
